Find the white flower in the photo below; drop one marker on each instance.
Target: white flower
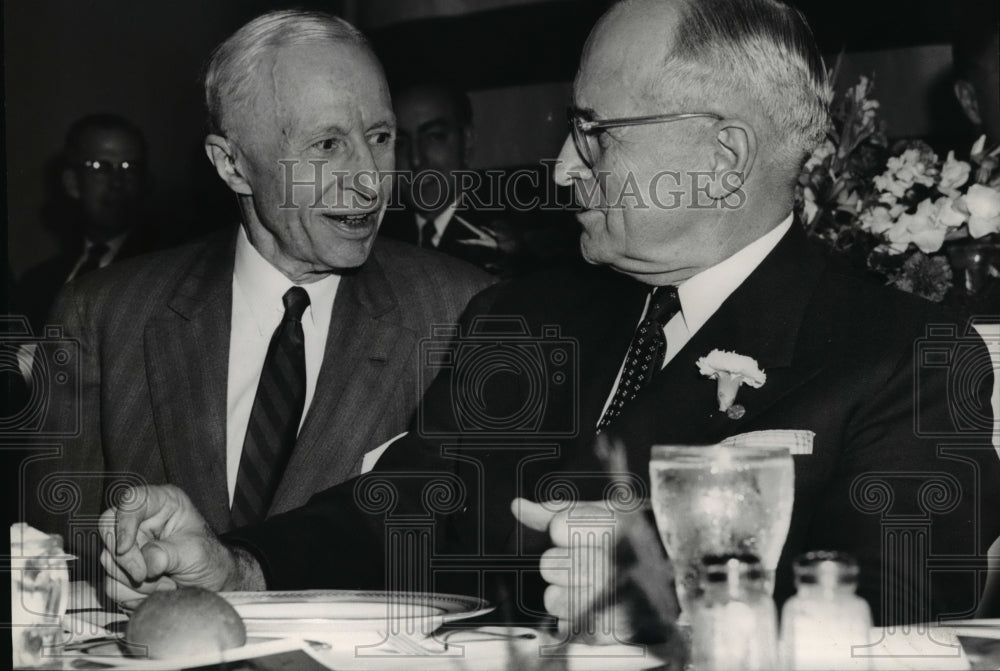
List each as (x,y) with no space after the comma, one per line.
(898,236)
(905,171)
(878,220)
(859,91)
(926,228)
(731,370)
(868,113)
(848,200)
(819,154)
(983,204)
(953,175)
(978,147)
(809,207)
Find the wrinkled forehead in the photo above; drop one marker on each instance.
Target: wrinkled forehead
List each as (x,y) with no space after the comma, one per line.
(304,86)
(625,50)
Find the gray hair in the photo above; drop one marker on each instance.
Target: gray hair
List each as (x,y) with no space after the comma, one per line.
(231,70)
(764,52)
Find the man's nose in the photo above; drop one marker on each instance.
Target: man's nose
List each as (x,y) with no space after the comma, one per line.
(363,177)
(569,166)
(417,158)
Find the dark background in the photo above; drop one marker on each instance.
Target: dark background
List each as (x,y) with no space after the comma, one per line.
(142,59)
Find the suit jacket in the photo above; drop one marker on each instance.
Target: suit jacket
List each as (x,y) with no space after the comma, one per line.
(154,345)
(900,475)
(402,225)
(36,291)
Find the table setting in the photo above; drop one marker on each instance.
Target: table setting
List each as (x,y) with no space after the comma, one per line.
(721,512)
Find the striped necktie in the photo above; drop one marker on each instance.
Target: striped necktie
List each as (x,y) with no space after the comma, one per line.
(645,354)
(277,411)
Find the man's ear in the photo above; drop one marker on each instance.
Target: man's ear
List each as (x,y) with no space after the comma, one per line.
(735,151)
(966,94)
(71,183)
(222,153)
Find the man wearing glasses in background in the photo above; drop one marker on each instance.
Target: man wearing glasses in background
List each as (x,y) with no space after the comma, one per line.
(104,181)
(691,121)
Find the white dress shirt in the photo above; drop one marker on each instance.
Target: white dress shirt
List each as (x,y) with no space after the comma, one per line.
(439,222)
(702,294)
(257,310)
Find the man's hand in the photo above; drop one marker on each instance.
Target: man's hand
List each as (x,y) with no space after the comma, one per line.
(156,540)
(580,567)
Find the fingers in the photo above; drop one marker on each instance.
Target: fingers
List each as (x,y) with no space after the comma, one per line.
(161,558)
(582,565)
(532,515)
(561,526)
(150,512)
(122,589)
(128,517)
(556,600)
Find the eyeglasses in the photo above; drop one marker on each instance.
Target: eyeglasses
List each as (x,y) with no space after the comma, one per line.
(106,168)
(585,131)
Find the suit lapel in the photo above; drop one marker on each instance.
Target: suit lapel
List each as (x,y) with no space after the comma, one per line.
(765,318)
(187,361)
(606,325)
(366,352)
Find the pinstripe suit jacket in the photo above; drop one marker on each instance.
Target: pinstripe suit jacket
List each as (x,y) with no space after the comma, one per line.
(154,345)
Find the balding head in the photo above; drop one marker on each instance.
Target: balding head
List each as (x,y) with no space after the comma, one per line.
(693,118)
(750,58)
(234,75)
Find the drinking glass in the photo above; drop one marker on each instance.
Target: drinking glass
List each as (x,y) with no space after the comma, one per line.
(720,500)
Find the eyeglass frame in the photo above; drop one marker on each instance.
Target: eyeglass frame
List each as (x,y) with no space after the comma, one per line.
(580,127)
(126,168)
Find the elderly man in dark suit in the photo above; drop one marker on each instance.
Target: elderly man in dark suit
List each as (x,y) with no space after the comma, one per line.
(689,125)
(257,367)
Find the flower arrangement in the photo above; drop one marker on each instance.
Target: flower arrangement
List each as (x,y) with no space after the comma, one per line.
(898,211)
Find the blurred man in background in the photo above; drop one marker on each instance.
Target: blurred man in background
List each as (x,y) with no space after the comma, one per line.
(434,144)
(104,181)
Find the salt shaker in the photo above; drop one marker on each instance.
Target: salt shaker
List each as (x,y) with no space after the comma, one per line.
(825,625)
(734,622)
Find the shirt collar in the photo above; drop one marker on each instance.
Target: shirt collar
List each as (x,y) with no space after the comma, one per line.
(113,245)
(702,294)
(440,221)
(262,286)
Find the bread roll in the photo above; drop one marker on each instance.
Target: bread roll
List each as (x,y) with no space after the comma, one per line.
(183,622)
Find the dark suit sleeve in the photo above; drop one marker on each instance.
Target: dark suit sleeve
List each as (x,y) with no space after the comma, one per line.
(338,539)
(915,496)
(63,492)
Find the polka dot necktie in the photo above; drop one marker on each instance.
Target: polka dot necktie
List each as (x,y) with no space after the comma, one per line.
(645,354)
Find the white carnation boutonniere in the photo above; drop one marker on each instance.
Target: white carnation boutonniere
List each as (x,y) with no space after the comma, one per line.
(731,370)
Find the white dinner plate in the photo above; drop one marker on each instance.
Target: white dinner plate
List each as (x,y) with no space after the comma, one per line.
(351,610)
(978,628)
